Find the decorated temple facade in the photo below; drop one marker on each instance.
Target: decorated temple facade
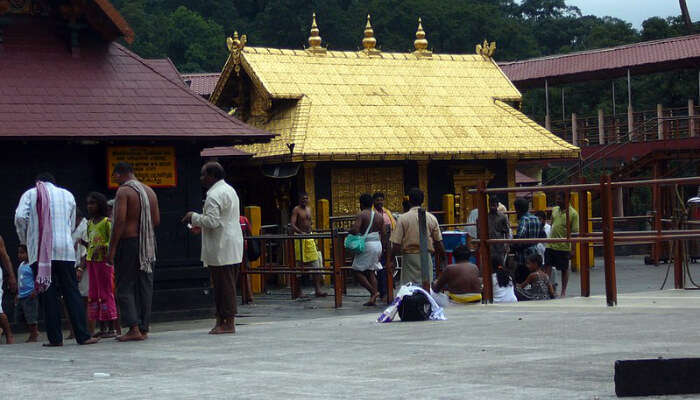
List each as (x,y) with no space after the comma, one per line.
(355,122)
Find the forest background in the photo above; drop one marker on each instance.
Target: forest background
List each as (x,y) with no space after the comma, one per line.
(193,35)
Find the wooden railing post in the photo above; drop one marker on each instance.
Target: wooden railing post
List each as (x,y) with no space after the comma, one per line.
(484,250)
(608,240)
(691,118)
(574,130)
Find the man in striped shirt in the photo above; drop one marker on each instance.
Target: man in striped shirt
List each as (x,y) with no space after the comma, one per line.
(62,214)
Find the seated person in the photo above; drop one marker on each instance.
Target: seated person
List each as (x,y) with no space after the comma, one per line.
(536,286)
(461,280)
(503,289)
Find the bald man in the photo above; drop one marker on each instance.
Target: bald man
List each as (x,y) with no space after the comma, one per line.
(222,242)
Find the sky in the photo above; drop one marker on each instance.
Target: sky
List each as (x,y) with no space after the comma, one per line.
(635,11)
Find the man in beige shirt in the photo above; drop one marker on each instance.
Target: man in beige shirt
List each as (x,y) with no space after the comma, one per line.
(222,242)
(405,240)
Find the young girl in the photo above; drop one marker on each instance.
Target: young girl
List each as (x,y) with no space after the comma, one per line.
(503,290)
(539,286)
(101,304)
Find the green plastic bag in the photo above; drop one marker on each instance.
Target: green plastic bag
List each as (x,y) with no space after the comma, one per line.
(356,243)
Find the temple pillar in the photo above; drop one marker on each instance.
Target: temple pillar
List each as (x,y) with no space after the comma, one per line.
(448,206)
(254,217)
(423,181)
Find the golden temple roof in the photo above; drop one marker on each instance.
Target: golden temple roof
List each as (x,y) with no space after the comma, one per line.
(342,105)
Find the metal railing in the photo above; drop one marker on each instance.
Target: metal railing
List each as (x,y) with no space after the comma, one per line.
(608,237)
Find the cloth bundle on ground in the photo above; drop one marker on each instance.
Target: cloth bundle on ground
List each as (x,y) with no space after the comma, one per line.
(436,312)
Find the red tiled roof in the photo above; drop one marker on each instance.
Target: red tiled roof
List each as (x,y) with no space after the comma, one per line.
(225,151)
(612,62)
(107,92)
(166,68)
(202,84)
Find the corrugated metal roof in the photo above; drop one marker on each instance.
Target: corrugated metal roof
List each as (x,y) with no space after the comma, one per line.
(348,106)
(107,91)
(644,57)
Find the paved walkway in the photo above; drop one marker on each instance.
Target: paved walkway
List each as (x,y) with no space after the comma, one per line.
(562,349)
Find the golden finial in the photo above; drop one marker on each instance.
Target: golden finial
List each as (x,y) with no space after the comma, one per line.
(315,38)
(234,43)
(421,43)
(486,49)
(369,42)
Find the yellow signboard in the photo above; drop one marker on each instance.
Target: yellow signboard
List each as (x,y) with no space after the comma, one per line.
(153,165)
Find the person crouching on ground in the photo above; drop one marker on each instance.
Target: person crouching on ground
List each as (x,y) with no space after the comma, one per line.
(370,224)
(462,279)
(536,286)
(503,289)
(27,303)
(6,264)
(222,242)
(102,305)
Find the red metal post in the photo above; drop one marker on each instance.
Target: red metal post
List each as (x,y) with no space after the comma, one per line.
(656,204)
(608,240)
(585,263)
(337,271)
(484,250)
(678,258)
(291,263)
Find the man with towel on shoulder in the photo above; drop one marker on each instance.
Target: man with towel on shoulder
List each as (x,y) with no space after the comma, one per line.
(132,250)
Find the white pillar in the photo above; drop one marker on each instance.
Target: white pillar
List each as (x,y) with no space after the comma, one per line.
(547,118)
(574,130)
(691,118)
(660,122)
(630,123)
(601,127)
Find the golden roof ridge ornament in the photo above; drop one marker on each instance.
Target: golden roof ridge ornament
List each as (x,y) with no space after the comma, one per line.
(315,38)
(369,42)
(421,43)
(486,49)
(235,47)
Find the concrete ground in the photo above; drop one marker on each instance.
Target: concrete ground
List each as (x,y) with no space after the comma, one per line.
(562,349)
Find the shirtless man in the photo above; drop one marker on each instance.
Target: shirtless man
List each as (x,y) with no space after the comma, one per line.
(305,249)
(461,279)
(133,268)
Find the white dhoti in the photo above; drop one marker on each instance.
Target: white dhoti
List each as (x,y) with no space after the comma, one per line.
(368,260)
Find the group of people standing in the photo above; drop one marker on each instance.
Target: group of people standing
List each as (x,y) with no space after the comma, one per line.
(119,253)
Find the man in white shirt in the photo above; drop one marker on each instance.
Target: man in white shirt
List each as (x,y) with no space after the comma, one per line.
(62,217)
(222,242)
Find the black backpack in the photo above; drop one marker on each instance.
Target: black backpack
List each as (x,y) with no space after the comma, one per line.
(415,307)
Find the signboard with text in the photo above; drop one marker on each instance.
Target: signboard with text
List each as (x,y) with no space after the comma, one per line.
(153,165)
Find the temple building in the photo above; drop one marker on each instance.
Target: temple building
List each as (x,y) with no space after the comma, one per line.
(73,101)
(355,122)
